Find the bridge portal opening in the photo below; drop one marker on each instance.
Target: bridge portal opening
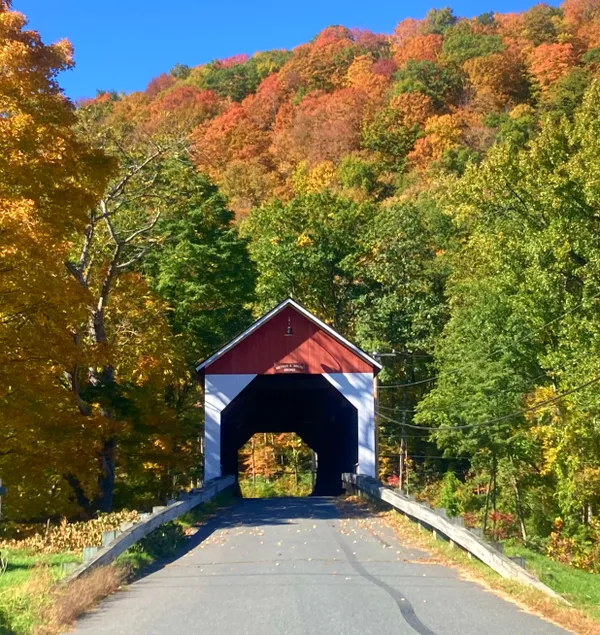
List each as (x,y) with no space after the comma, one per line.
(276,464)
(307,405)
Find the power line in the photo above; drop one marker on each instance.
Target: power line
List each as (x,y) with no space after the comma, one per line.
(498,419)
(498,350)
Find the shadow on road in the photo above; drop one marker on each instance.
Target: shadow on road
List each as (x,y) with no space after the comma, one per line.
(254,512)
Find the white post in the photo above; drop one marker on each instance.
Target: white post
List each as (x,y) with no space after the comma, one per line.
(357,388)
(219,392)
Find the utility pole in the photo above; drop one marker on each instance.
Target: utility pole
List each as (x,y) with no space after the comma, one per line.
(401,476)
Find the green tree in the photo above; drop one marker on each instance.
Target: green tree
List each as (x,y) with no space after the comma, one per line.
(441,84)
(311,249)
(523,325)
(202,267)
(438,21)
(461,44)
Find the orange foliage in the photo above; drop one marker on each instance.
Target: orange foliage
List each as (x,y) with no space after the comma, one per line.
(442,133)
(550,62)
(360,76)
(323,63)
(419,48)
(581,11)
(414,108)
(187,104)
(262,107)
(405,30)
(324,127)
(494,78)
(232,136)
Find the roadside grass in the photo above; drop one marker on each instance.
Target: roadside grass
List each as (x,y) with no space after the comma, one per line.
(26,587)
(34,602)
(581,588)
(578,587)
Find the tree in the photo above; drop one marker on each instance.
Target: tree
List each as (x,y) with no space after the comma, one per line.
(310,249)
(419,48)
(498,80)
(48,179)
(438,21)
(120,231)
(550,62)
(442,85)
(541,24)
(524,296)
(202,269)
(462,43)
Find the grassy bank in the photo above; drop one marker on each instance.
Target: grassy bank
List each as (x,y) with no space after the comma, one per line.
(32,603)
(26,587)
(581,588)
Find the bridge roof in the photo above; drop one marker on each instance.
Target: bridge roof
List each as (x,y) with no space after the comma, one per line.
(285,306)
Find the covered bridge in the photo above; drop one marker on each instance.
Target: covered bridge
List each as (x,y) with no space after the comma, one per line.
(290,372)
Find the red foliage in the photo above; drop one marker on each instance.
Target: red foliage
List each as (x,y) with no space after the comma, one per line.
(262,107)
(187,102)
(331,35)
(393,481)
(369,41)
(159,84)
(234,60)
(384,67)
(502,525)
(325,127)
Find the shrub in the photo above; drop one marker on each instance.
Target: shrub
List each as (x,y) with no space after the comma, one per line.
(72,536)
(162,542)
(449,495)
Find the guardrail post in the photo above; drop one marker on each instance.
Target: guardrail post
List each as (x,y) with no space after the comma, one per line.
(108,537)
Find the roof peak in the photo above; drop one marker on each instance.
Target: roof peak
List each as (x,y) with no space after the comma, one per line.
(303,311)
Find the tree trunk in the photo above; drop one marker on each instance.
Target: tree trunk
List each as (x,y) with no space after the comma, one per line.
(519,506)
(106,478)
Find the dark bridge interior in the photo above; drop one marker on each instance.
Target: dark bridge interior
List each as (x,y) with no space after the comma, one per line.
(305,404)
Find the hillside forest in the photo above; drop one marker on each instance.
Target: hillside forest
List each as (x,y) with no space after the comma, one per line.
(432,191)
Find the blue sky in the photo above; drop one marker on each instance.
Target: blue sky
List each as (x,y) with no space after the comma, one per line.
(122,44)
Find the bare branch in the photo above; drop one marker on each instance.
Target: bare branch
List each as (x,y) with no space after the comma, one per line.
(133,259)
(106,217)
(143,230)
(136,169)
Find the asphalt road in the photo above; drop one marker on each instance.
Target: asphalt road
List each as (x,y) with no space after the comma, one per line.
(305,567)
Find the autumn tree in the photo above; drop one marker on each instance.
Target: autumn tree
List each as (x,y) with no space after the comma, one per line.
(550,62)
(49,178)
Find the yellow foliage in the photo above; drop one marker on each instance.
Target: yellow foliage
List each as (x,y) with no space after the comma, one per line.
(48,181)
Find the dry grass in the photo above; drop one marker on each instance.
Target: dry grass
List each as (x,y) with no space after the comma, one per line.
(528,599)
(54,607)
(70,601)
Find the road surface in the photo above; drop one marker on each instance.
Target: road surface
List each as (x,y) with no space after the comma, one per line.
(305,567)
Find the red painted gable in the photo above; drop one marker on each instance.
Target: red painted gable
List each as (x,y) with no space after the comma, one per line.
(309,345)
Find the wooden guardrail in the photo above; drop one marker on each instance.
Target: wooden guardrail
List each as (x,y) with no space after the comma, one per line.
(443,526)
(121,541)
